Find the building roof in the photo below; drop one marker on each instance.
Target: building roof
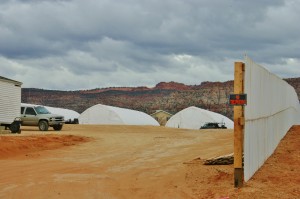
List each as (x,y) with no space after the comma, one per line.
(158,111)
(4,79)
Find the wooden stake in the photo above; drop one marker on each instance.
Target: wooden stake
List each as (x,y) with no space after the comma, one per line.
(238,118)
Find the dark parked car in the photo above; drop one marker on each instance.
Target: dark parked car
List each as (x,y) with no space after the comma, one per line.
(213,125)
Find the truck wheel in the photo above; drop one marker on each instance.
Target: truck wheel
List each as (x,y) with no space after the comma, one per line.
(57,127)
(15,127)
(43,125)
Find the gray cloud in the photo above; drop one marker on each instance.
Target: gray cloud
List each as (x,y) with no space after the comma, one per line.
(87,44)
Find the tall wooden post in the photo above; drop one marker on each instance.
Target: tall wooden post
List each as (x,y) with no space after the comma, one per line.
(238,117)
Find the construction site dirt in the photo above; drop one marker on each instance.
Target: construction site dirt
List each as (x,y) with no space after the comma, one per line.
(116,162)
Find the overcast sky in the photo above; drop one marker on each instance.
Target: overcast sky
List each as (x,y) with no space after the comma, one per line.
(86,44)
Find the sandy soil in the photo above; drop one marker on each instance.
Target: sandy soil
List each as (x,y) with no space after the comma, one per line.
(85,161)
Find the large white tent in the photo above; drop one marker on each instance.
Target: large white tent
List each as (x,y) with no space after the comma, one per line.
(103,114)
(193,118)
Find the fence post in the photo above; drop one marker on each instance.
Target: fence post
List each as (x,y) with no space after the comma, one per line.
(238,117)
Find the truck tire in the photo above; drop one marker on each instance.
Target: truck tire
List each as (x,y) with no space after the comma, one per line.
(15,127)
(57,127)
(43,125)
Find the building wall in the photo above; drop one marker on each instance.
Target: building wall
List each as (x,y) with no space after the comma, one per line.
(162,117)
(10,101)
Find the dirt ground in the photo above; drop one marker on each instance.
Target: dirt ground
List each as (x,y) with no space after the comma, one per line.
(113,162)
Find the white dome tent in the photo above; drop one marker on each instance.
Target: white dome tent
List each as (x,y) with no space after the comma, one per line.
(103,114)
(68,114)
(193,118)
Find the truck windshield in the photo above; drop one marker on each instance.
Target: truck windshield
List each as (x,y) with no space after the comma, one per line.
(41,110)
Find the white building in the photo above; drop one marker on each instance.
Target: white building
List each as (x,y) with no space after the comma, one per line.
(10,102)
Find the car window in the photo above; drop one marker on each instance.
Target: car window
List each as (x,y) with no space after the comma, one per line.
(30,111)
(41,110)
(22,110)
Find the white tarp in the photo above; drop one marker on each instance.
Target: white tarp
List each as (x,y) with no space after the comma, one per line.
(193,118)
(272,108)
(298,123)
(68,114)
(103,114)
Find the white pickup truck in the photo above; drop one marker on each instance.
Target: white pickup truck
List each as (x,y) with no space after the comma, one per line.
(35,115)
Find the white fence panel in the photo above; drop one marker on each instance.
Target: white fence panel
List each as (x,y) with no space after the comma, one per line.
(272,108)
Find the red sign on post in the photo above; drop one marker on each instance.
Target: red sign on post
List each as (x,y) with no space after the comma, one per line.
(238,99)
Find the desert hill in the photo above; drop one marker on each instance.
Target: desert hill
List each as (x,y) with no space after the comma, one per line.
(169,96)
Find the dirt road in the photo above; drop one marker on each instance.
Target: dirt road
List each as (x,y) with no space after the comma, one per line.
(85,161)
